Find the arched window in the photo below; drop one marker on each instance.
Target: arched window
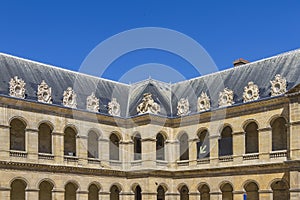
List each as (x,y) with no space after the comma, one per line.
(184,147)
(161,193)
(227,191)
(93,147)
(251,138)
(279,134)
(184,193)
(203,145)
(17,135)
(252,191)
(137,145)
(17,190)
(45,190)
(280,190)
(138,193)
(70,142)
(93,192)
(204,192)
(114,193)
(114,147)
(160,147)
(70,191)
(225,143)
(45,138)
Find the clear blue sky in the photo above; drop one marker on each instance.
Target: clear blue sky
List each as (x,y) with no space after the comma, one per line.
(62,33)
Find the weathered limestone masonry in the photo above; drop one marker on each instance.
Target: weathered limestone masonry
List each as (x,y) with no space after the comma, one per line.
(150,144)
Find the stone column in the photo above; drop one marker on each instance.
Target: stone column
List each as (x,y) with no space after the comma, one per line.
(82,149)
(214,149)
(149,152)
(104,151)
(104,195)
(4,142)
(127,149)
(215,196)
(194,195)
(58,147)
(193,152)
(58,194)
(127,196)
(265,143)
(32,194)
(172,152)
(238,146)
(31,137)
(172,196)
(294,185)
(265,195)
(238,195)
(149,195)
(82,195)
(4,193)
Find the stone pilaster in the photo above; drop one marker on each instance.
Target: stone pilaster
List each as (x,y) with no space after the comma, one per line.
(149,152)
(58,144)
(238,145)
(265,195)
(214,149)
(294,185)
(82,149)
(58,194)
(32,194)
(4,142)
(172,149)
(193,152)
(31,137)
(82,195)
(265,143)
(104,151)
(4,193)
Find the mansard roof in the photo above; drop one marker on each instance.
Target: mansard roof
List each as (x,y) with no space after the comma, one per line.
(165,94)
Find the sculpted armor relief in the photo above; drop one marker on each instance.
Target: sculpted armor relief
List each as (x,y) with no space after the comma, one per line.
(44,93)
(92,103)
(251,92)
(278,85)
(114,107)
(183,107)
(226,98)
(17,88)
(203,102)
(69,99)
(148,105)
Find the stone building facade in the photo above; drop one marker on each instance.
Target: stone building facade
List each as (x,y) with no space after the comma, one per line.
(228,135)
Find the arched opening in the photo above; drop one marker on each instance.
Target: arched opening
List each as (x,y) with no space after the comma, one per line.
(204,192)
(70,191)
(251,138)
(226,190)
(17,190)
(279,134)
(280,190)
(45,190)
(114,193)
(114,147)
(225,142)
(137,145)
(45,138)
(93,145)
(138,193)
(203,145)
(70,142)
(93,192)
(252,191)
(184,193)
(17,135)
(184,147)
(160,147)
(161,193)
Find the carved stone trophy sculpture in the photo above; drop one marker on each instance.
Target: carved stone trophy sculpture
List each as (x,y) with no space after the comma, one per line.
(251,92)
(44,93)
(203,102)
(114,107)
(278,85)
(92,103)
(17,88)
(148,105)
(69,99)
(183,107)
(226,98)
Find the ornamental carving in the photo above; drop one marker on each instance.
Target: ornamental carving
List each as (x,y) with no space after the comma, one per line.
(44,93)
(92,103)
(183,107)
(251,92)
(114,107)
(203,102)
(17,88)
(278,85)
(69,99)
(148,105)
(226,98)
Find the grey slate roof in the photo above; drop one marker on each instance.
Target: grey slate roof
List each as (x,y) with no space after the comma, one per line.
(166,95)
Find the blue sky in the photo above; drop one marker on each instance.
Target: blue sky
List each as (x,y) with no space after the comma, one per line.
(62,33)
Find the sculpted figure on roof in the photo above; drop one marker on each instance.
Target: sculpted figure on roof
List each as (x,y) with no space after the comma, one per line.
(69,99)
(203,102)
(114,107)
(17,87)
(278,85)
(251,92)
(183,107)
(226,98)
(148,105)
(44,93)
(92,103)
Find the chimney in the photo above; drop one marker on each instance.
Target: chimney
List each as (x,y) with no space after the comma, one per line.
(239,62)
